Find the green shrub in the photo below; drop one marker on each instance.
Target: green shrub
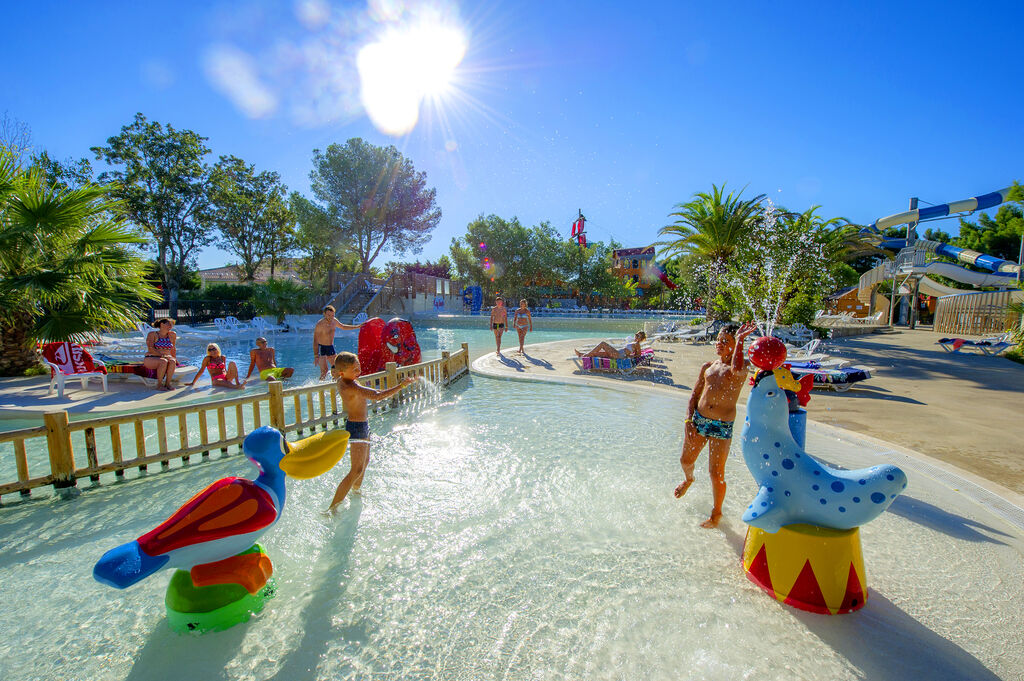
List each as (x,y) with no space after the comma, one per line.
(1015,355)
(37,370)
(221,292)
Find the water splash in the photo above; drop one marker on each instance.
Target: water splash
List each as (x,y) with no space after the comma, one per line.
(767,264)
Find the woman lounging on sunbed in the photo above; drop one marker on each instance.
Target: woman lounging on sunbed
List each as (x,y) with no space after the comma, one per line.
(606,349)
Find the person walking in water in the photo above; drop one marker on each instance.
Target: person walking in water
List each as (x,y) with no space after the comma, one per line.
(323,340)
(711,412)
(523,321)
(499,319)
(353,400)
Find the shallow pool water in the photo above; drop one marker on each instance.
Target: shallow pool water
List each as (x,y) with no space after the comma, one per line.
(515,530)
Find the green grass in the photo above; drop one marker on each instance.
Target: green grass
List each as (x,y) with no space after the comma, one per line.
(1015,355)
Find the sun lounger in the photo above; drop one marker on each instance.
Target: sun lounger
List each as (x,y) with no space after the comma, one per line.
(123,367)
(992,345)
(839,379)
(297,323)
(70,360)
(625,365)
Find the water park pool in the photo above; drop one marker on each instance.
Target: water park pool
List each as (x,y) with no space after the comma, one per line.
(512,530)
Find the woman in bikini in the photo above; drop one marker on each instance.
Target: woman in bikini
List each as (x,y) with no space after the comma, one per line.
(606,349)
(223,374)
(161,352)
(523,321)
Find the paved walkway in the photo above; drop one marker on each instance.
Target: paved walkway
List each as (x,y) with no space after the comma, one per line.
(963,409)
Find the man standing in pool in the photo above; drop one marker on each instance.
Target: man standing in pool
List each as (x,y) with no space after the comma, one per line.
(711,412)
(499,319)
(323,340)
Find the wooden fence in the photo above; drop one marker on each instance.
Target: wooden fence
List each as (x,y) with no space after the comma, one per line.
(974,314)
(113,444)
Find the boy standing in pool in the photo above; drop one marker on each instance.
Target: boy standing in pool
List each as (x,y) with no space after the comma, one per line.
(711,411)
(499,319)
(353,400)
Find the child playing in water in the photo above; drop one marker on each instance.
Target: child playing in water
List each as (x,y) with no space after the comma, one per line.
(523,321)
(353,400)
(710,414)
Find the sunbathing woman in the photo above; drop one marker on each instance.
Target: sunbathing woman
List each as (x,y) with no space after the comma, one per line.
(223,374)
(605,349)
(161,353)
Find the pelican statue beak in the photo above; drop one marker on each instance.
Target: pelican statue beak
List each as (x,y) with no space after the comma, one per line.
(314,455)
(784,378)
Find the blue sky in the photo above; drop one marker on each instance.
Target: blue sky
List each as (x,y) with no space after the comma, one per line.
(620,109)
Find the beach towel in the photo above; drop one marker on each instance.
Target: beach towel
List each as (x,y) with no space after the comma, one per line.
(70,359)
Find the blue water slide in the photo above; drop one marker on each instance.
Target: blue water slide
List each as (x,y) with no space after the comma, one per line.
(998,266)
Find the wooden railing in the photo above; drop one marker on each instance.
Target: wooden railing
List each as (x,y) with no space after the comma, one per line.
(346,294)
(114,444)
(973,314)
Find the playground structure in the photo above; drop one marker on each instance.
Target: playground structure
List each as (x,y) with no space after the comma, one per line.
(915,261)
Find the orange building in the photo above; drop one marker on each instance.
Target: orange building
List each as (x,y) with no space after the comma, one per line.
(630,263)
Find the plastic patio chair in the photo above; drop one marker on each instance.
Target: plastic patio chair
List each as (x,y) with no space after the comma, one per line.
(70,360)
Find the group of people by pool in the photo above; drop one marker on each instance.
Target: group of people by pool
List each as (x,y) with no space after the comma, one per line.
(709,416)
(162,355)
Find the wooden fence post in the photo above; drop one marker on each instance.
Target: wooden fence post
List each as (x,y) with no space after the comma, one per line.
(62,460)
(276,391)
(391,380)
(446,358)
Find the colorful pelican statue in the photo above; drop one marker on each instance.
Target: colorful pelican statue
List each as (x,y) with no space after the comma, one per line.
(213,536)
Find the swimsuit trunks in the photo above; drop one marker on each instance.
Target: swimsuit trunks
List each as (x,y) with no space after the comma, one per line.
(273,371)
(327,350)
(358,430)
(720,430)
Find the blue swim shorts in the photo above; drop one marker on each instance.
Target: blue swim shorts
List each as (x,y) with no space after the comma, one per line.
(720,430)
(358,430)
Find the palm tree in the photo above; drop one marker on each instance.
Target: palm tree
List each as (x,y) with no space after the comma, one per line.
(65,269)
(711,225)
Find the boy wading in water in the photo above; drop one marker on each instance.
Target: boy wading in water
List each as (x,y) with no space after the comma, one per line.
(499,319)
(353,399)
(712,410)
(323,340)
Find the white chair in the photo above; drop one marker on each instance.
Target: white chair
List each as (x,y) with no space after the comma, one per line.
(266,324)
(224,328)
(69,360)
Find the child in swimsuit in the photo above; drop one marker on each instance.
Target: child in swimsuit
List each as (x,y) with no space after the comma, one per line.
(710,414)
(353,400)
(223,374)
(523,321)
(499,317)
(264,358)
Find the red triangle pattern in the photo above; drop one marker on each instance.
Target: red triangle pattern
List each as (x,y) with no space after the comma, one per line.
(855,597)
(806,594)
(758,572)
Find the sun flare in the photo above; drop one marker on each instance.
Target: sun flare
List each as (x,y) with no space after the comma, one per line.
(405,66)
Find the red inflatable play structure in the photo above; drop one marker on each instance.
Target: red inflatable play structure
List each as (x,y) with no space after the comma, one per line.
(380,343)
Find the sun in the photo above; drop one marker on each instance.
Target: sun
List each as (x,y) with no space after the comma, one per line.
(405,66)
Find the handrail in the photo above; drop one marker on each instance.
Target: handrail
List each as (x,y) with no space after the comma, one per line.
(370,308)
(341,300)
(183,432)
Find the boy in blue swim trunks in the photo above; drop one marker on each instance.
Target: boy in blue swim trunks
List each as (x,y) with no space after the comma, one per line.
(353,400)
(711,412)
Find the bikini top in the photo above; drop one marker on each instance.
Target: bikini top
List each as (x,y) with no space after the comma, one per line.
(217,363)
(164,343)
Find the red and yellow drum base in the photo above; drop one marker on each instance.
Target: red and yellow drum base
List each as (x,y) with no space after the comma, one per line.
(811,568)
